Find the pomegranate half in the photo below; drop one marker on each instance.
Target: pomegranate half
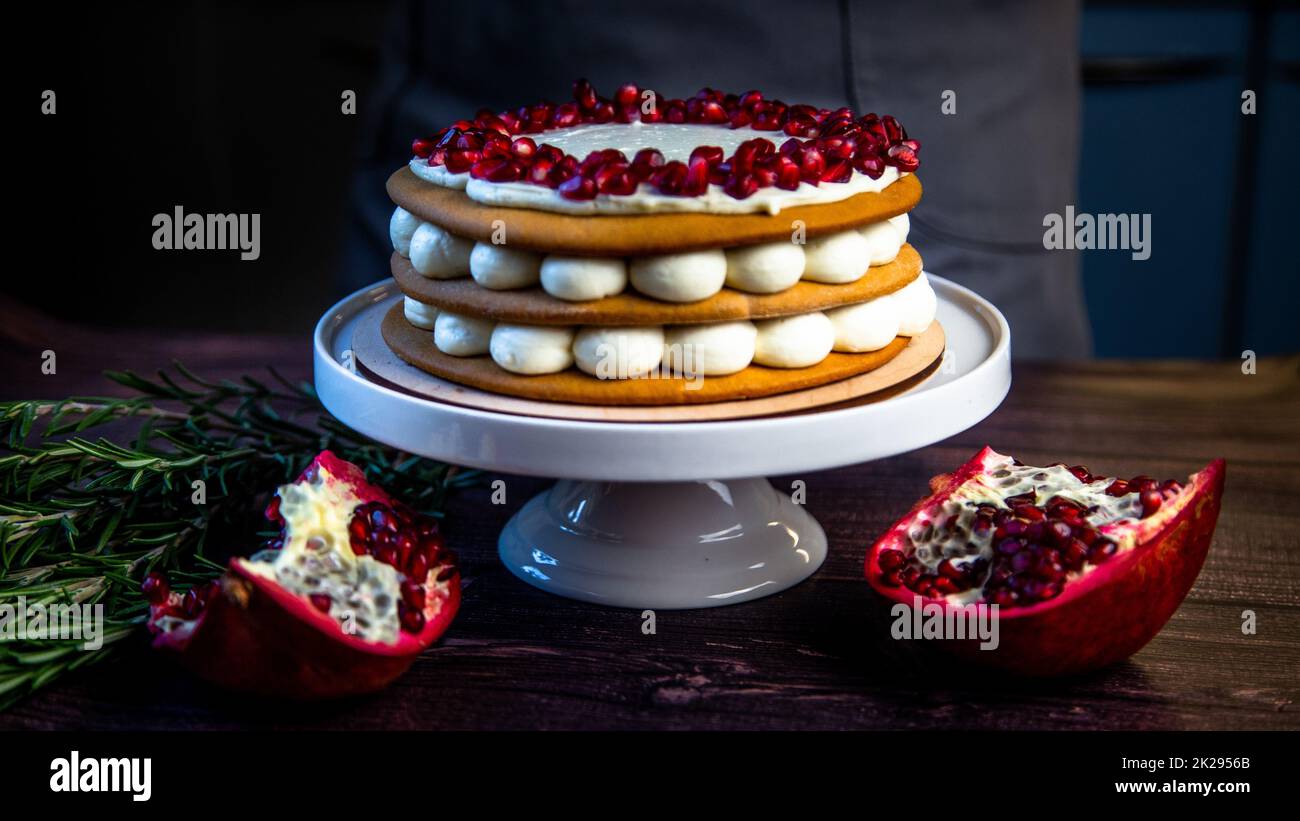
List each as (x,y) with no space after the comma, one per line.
(1083,570)
(341,602)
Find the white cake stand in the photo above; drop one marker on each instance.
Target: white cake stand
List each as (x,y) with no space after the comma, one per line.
(669,515)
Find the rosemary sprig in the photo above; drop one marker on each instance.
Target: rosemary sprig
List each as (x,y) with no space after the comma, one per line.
(83,519)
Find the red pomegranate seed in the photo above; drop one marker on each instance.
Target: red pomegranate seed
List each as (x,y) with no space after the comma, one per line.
(891,559)
(412,620)
(566,115)
(741,186)
(696,181)
(627,95)
(413,594)
(584,94)
(903,158)
(419,567)
(711,154)
(191,603)
(272,511)
(321,602)
(578,188)
(155,588)
(1151,501)
(811,164)
(421,148)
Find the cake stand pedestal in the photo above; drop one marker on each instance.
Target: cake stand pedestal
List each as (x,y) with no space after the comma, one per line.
(669,514)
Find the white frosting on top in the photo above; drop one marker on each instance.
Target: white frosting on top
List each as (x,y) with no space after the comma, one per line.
(577,279)
(710,349)
(794,341)
(916,304)
(618,353)
(685,277)
(836,258)
(401,227)
(765,268)
(867,326)
(676,141)
(458,335)
(437,254)
(502,268)
(419,314)
(532,349)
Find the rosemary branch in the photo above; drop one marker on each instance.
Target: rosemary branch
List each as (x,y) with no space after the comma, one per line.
(175,479)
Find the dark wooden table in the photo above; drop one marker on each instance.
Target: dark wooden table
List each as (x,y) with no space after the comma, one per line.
(816,656)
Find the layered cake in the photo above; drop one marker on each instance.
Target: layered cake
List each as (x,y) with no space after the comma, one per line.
(643,250)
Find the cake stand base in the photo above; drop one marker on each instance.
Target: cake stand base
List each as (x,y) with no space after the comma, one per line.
(666,545)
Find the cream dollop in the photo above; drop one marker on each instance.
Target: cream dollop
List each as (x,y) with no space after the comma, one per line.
(882,242)
(459,335)
(902,224)
(501,268)
(766,268)
(438,254)
(401,227)
(867,326)
(794,341)
(836,258)
(577,279)
(532,349)
(711,349)
(419,314)
(916,306)
(685,277)
(618,353)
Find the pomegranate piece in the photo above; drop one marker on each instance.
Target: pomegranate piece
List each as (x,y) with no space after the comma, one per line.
(360,587)
(1084,569)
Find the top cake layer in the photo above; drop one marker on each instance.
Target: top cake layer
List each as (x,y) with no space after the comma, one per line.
(641,153)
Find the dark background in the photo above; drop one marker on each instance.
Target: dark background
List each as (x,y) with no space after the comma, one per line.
(235,107)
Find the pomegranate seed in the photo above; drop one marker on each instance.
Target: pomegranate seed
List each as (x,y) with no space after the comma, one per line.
(421,148)
(412,620)
(811,164)
(413,594)
(1151,501)
(321,602)
(272,512)
(711,154)
(696,181)
(891,559)
(627,95)
(578,188)
(584,94)
(523,147)
(1102,550)
(566,116)
(891,578)
(155,588)
(418,569)
(741,187)
(902,158)
(191,603)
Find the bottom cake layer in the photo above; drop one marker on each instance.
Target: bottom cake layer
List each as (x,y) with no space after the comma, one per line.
(415,346)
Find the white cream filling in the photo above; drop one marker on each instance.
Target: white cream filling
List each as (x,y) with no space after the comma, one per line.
(867,326)
(438,254)
(501,268)
(917,304)
(676,141)
(710,349)
(794,341)
(419,314)
(401,227)
(578,279)
(687,277)
(766,268)
(618,353)
(758,269)
(460,335)
(532,349)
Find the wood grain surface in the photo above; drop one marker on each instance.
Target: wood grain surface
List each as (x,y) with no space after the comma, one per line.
(818,655)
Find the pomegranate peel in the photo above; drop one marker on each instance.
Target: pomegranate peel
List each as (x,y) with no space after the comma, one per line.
(351,591)
(1083,574)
